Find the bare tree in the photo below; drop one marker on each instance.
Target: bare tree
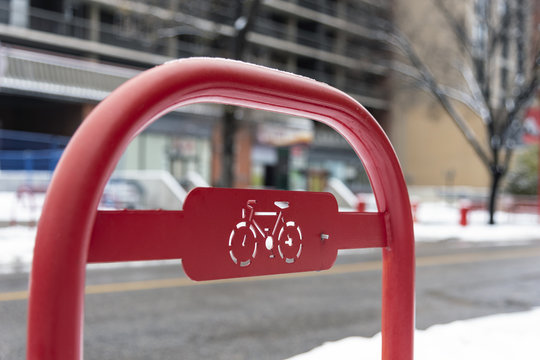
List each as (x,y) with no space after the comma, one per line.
(500,67)
(246,12)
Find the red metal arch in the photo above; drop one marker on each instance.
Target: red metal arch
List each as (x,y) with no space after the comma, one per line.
(69,215)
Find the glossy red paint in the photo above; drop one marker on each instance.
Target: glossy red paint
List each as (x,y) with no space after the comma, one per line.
(72,232)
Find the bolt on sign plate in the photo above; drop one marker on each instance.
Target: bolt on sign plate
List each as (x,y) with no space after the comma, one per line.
(236,233)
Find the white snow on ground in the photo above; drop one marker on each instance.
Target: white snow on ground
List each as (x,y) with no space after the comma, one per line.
(496,337)
(20,208)
(503,233)
(440,221)
(17,241)
(16,248)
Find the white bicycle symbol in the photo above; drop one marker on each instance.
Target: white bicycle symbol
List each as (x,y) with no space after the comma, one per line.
(284,238)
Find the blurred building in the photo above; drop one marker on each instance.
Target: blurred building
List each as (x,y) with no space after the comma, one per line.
(431,148)
(58,58)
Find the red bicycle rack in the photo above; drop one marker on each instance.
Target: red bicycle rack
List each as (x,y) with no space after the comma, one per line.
(253,232)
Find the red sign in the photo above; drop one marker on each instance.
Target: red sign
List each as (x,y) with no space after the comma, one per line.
(237,233)
(531,124)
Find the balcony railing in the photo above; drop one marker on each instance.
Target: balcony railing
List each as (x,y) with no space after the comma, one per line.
(195,42)
(60,76)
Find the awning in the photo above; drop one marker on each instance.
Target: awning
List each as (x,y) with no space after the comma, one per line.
(58,76)
(29,72)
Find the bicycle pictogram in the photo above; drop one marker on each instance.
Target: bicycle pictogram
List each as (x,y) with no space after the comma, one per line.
(281,237)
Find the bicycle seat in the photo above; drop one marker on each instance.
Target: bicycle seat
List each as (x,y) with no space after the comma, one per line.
(281,204)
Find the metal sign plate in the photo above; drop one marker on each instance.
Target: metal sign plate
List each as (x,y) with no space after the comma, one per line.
(238,232)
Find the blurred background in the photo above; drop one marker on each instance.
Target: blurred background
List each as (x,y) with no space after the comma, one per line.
(454,84)
(454,88)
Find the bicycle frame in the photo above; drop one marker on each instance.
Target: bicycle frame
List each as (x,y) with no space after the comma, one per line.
(264,233)
(267,234)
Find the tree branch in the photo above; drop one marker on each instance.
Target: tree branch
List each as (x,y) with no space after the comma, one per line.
(507,158)
(499,35)
(457,28)
(462,97)
(479,83)
(453,93)
(481,59)
(398,39)
(524,97)
(473,86)
(406,70)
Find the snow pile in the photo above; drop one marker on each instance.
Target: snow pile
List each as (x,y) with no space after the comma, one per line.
(437,213)
(22,207)
(503,233)
(16,248)
(440,221)
(502,336)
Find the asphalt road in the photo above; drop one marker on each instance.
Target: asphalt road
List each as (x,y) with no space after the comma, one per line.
(154,312)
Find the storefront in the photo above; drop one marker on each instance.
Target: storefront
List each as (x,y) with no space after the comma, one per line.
(279,156)
(179,142)
(331,156)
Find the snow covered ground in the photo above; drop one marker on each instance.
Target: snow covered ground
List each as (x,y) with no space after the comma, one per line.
(440,221)
(16,248)
(496,337)
(24,207)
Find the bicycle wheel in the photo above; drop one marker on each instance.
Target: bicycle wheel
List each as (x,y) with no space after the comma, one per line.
(243,244)
(290,242)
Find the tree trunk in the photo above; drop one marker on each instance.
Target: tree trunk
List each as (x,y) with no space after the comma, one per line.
(245,18)
(496,177)
(228,154)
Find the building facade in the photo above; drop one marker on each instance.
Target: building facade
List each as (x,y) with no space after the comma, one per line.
(432,149)
(59,58)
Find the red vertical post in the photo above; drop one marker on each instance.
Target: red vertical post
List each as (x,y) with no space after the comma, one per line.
(361,204)
(463,215)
